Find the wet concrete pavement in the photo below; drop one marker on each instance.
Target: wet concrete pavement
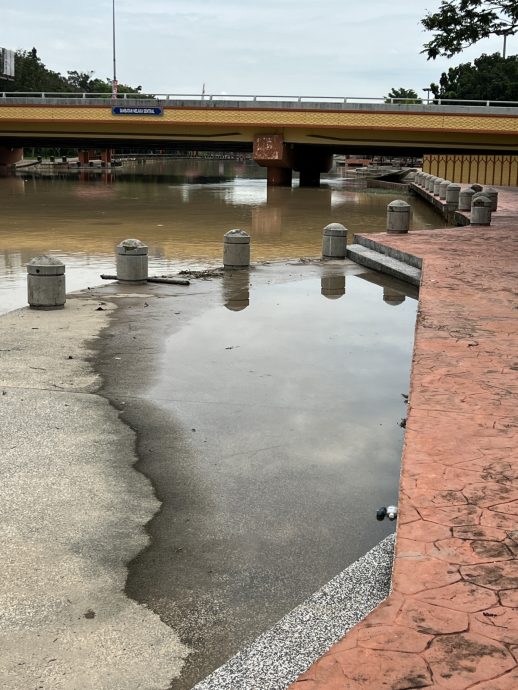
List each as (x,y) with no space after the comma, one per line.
(72,514)
(263,430)
(451,620)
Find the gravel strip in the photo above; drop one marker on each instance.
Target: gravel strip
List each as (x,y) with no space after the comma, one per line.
(276,658)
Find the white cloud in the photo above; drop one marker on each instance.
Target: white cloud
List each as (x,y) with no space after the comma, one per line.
(333,47)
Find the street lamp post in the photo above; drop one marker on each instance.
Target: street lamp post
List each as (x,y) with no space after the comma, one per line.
(114,81)
(427,89)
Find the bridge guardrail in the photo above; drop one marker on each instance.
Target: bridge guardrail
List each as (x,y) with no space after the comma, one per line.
(213,99)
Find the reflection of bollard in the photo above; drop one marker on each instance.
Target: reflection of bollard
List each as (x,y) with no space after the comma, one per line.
(492,195)
(398,217)
(452,196)
(132,261)
(481,211)
(46,283)
(236,290)
(393,297)
(236,249)
(437,185)
(332,287)
(465,199)
(477,187)
(334,241)
(443,188)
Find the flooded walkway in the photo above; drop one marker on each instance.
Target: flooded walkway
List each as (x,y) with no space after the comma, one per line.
(451,621)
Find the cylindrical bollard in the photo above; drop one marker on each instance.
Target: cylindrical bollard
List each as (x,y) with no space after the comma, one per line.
(443,187)
(334,241)
(419,179)
(492,194)
(481,211)
(452,195)
(429,183)
(236,249)
(46,283)
(477,187)
(398,217)
(437,185)
(465,197)
(132,261)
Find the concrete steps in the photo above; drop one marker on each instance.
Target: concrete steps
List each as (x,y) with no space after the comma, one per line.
(393,262)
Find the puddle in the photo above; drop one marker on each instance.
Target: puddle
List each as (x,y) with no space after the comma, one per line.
(281,405)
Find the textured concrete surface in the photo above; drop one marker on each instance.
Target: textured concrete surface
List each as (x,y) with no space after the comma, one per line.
(451,620)
(384,264)
(284,651)
(71,516)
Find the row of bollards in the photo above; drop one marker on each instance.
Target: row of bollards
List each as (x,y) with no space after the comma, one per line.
(46,274)
(480,201)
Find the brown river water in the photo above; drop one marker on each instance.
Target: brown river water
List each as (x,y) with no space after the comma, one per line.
(180,208)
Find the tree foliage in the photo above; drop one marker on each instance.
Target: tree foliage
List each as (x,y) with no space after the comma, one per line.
(460,23)
(32,75)
(402,95)
(488,78)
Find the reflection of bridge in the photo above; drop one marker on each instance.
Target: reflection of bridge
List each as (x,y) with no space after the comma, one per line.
(284,135)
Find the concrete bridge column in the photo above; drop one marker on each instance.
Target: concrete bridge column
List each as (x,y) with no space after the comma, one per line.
(271,152)
(310,161)
(9,156)
(83,157)
(106,157)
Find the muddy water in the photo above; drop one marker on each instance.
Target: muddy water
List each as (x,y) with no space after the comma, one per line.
(269,429)
(180,208)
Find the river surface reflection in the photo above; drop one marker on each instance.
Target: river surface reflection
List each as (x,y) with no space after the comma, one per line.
(180,208)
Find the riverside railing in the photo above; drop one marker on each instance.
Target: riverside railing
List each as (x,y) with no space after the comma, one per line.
(214,99)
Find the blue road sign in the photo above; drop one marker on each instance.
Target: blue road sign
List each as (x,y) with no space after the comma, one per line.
(140,110)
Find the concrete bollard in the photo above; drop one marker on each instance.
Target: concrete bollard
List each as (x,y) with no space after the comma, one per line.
(398,217)
(477,187)
(443,187)
(132,261)
(236,249)
(492,195)
(437,185)
(334,241)
(419,179)
(429,183)
(481,211)
(465,197)
(452,196)
(46,283)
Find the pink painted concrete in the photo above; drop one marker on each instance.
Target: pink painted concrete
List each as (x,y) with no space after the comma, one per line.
(451,622)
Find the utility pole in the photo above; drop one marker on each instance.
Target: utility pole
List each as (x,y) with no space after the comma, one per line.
(114,81)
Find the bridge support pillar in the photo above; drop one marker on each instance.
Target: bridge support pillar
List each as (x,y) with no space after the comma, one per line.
(310,161)
(10,156)
(271,152)
(106,157)
(278,177)
(83,157)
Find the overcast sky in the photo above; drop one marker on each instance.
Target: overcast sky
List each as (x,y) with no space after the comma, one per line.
(270,47)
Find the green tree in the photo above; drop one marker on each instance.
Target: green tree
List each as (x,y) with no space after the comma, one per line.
(488,78)
(83,82)
(460,23)
(32,75)
(403,96)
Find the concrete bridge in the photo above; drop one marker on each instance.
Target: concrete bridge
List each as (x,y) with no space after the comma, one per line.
(285,134)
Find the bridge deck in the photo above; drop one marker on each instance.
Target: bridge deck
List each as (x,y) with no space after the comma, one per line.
(451,621)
